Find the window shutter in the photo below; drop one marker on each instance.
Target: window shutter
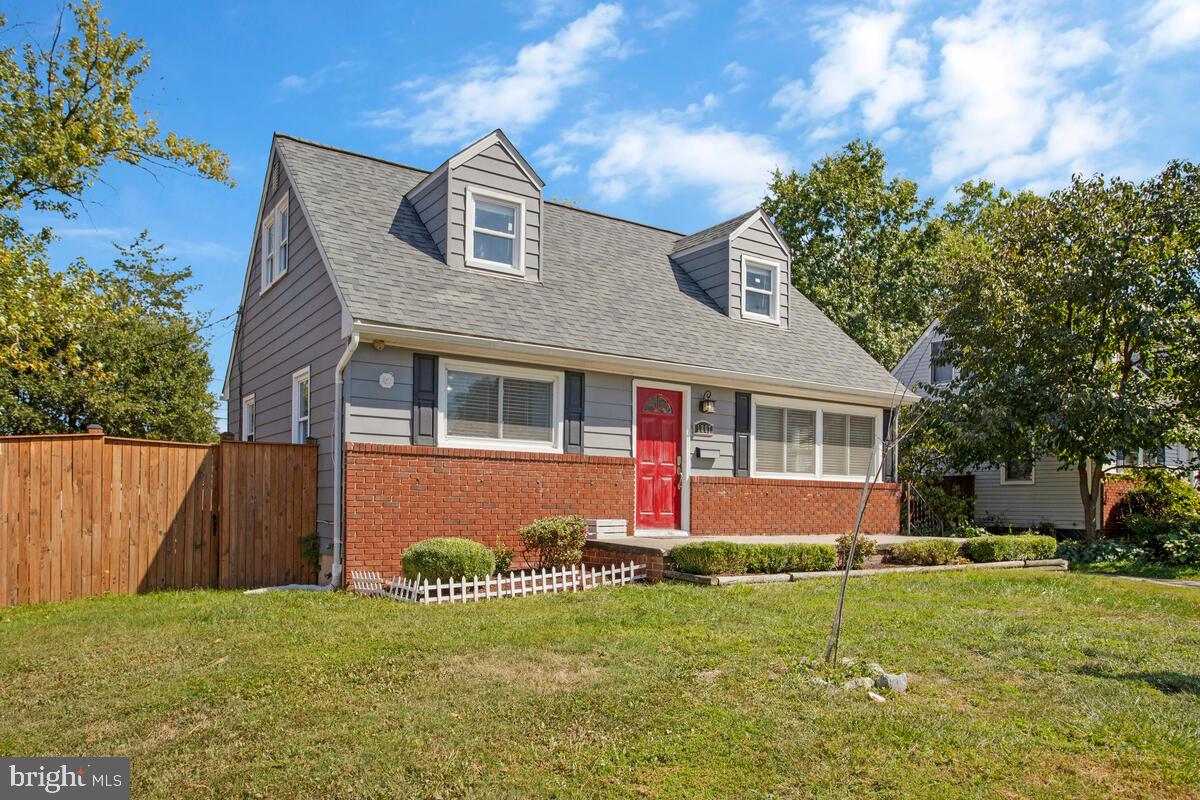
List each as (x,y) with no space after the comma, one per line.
(889,439)
(425,398)
(741,434)
(573,414)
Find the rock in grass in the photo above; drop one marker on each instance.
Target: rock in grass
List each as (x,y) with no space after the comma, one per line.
(858,683)
(875,669)
(897,683)
(876,698)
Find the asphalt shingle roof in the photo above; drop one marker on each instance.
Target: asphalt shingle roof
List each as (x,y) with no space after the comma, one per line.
(717,232)
(608,285)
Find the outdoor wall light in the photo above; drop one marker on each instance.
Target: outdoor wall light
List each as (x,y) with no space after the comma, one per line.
(707,404)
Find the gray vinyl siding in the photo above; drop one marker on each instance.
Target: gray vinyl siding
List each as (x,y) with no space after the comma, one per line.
(375,414)
(1053,498)
(296,323)
(757,241)
(709,268)
(494,169)
(431,206)
(915,368)
(607,414)
(722,437)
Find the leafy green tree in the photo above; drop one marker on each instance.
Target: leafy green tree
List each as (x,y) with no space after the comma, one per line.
(864,248)
(114,346)
(1075,328)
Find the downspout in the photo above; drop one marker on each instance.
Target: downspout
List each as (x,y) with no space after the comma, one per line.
(339,447)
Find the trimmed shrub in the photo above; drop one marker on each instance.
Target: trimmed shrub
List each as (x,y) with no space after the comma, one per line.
(1019,547)
(966,531)
(926,552)
(1170,541)
(448,558)
(556,541)
(710,558)
(1160,493)
(864,549)
(773,558)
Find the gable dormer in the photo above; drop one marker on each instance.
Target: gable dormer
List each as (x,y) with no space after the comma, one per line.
(483,208)
(743,264)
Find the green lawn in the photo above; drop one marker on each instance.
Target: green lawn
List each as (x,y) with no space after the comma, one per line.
(1023,685)
(1138,569)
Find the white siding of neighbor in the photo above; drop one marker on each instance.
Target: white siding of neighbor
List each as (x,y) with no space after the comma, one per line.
(1053,498)
(756,240)
(914,368)
(296,323)
(495,169)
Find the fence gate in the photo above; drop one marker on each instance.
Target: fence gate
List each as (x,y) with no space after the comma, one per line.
(84,515)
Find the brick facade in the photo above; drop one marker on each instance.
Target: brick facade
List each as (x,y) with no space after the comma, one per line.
(399,495)
(609,554)
(762,506)
(1112,521)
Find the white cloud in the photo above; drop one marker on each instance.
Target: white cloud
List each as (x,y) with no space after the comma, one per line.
(515,96)
(866,61)
(1004,103)
(665,153)
(676,11)
(317,79)
(1171,25)
(553,157)
(737,74)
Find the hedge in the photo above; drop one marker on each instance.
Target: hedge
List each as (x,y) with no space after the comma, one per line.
(448,558)
(926,552)
(732,558)
(555,541)
(1021,547)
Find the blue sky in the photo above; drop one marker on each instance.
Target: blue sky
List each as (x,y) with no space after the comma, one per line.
(673,113)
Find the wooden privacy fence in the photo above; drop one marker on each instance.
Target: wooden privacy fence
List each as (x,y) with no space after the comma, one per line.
(84,515)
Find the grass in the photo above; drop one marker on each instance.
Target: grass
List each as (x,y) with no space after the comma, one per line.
(1023,684)
(1139,569)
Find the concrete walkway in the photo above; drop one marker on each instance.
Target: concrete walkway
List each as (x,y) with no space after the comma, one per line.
(664,544)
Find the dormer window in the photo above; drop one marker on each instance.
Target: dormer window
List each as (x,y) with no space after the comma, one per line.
(760,290)
(495,231)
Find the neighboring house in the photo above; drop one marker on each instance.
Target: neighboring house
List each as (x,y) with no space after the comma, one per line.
(470,356)
(1019,494)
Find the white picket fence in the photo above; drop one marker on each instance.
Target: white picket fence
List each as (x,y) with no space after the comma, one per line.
(515,584)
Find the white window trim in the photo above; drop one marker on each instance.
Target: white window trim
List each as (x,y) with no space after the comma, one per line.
(772,401)
(247,401)
(518,267)
(482,367)
(933,366)
(777,268)
(297,376)
(685,498)
(272,219)
(1005,481)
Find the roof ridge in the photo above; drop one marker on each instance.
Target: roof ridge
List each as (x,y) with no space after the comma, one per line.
(389,162)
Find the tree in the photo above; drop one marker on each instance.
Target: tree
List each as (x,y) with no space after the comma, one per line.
(77,345)
(864,248)
(1075,328)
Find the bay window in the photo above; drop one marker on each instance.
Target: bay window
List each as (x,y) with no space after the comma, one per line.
(799,439)
(506,408)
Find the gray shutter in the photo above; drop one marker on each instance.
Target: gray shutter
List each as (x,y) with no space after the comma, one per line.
(889,437)
(741,434)
(425,399)
(573,413)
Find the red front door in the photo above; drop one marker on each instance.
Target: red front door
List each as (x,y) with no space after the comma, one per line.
(659,457)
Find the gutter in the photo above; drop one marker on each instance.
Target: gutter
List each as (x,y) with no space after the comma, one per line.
(339,447)
(466,344)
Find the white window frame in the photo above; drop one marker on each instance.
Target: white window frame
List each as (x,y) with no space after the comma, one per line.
(518,265)
(771,401)
(480,443)
(274,220)
(247,430)
(777,269)
(1005,481)
(933,367)
(299,375)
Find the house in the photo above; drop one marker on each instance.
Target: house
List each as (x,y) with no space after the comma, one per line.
(1021,494)
(470,356)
